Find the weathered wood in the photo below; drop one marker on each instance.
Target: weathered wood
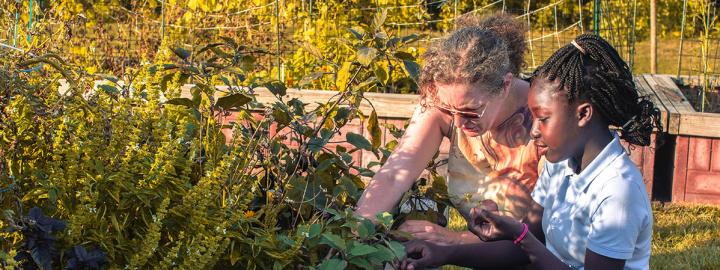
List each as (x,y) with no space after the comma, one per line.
(386,105)
(673,114)
(699,124)
(699,154)
(645,90)
(703,182)
(702,198)
(680,171)
(715,159)
(674,93)
(648,166)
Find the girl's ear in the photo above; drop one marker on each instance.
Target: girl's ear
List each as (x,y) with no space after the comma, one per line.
(584,113)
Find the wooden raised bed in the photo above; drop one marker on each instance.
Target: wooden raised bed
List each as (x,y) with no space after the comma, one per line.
(695,141)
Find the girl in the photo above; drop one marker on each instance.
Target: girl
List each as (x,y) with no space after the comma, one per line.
(591,209)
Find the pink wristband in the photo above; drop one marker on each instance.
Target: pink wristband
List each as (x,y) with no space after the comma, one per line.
(522,235)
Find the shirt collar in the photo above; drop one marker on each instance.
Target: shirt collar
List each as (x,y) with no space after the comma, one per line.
(611,151)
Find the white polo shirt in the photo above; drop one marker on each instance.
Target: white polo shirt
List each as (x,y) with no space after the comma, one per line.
(605,208)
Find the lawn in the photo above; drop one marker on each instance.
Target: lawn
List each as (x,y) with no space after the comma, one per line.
(684,236)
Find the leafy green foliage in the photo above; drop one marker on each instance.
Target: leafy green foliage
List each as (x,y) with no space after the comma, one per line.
(143,171)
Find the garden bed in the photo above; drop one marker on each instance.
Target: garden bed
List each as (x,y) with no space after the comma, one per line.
(688,163)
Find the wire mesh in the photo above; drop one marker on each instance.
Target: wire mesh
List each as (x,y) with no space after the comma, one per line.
(126,34)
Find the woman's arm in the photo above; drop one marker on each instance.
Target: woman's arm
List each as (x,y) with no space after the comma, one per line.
(418,145)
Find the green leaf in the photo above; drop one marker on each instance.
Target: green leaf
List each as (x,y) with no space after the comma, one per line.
(220,53)
(277,88)
(109,77)
(381,74)
(404,56)
(362,249)
(281,116)
(310,78)
(357,31)
(181,101)
(316,144)
(165,80)
(374,130)
(235,253)
(247,63)
(358,141)
(361,262)
(397,248)
(230,41)
(315,230)
(412,68)
(169,66)
(233,101)
(111,90)
(333,241)
(383,254)
(385,218)
(341,115)
(366,55)
(410,38)
(208,47)
(333,264)
(381,36)
(366,228)
(182,53)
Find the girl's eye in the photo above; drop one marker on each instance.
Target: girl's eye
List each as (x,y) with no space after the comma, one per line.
(543,119)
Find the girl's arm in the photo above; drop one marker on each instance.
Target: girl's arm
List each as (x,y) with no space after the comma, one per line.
(490,227)
(418,145)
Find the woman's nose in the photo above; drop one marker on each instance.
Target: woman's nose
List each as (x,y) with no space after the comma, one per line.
(461,121)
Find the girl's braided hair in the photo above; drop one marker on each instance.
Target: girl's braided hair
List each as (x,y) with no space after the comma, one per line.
(590,69)
(480,51)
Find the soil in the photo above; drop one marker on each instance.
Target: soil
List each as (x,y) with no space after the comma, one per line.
(694,96)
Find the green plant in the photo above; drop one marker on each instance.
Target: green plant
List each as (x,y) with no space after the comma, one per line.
(141,169)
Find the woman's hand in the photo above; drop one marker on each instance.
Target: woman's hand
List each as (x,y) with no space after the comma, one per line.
(422,254)
(488,225)
(428,231)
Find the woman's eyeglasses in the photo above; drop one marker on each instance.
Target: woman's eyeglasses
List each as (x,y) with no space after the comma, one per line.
(471,116)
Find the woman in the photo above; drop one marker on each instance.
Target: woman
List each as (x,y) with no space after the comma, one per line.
(470,93)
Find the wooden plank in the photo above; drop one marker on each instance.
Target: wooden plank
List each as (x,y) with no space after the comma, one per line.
(680,170)
(703,198)
(699,154)
(673,120)
(703,182)
(648,166)
(715,157)
(645,90)
(699,124)
(386,105)
(673,92)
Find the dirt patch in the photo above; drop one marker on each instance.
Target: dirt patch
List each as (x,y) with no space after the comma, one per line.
(694,95)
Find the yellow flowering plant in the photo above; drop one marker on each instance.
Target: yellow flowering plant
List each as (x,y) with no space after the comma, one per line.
(141,173)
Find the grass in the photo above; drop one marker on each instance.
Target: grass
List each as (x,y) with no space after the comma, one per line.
(684,236)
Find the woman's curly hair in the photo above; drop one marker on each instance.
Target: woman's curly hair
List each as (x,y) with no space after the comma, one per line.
(480,51)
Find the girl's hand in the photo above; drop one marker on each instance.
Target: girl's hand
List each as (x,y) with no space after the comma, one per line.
(488,225)
(422,254)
